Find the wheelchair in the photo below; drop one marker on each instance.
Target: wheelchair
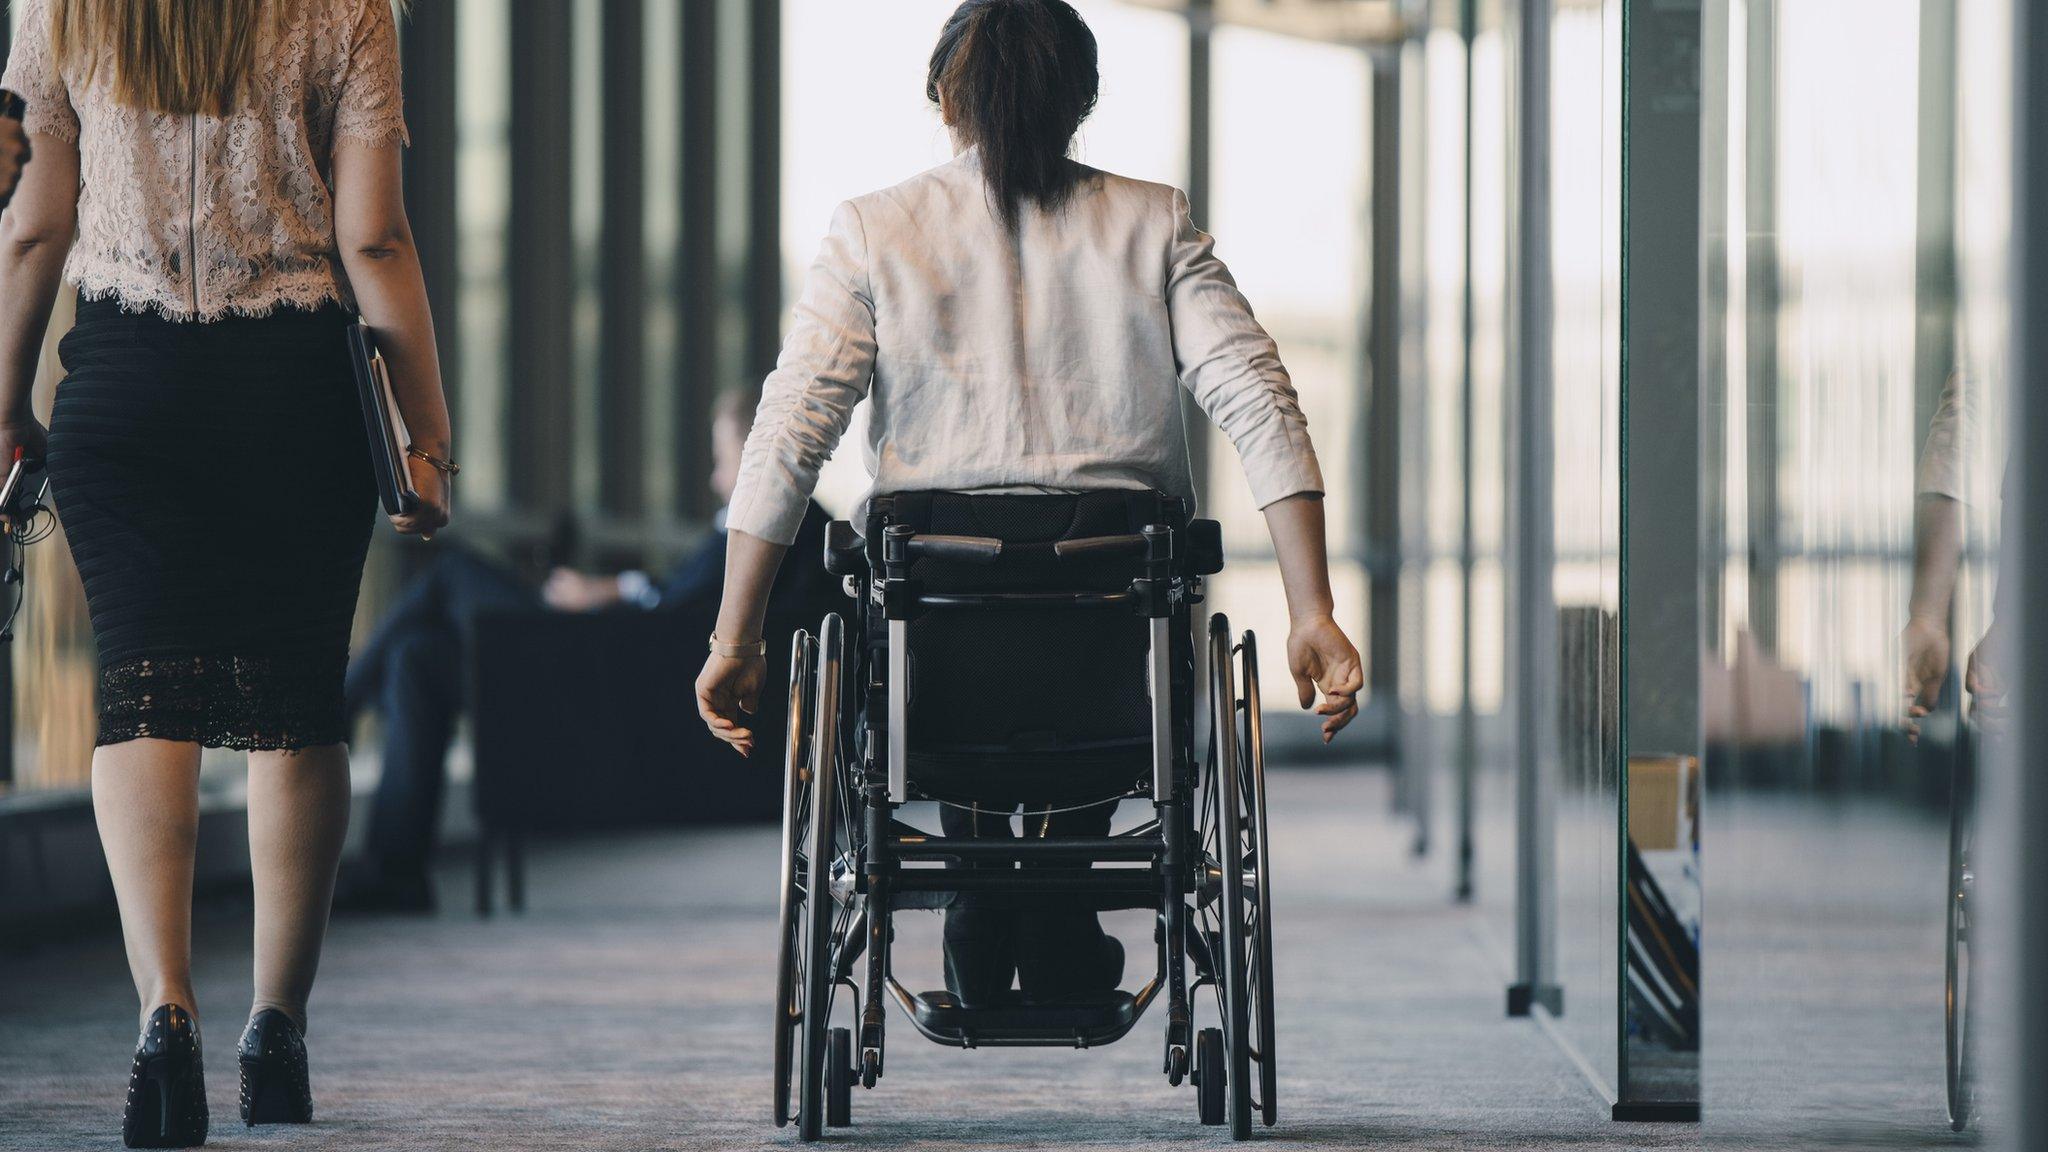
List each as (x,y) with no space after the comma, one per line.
(1031,650)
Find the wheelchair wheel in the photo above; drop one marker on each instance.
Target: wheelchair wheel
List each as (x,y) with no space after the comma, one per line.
(1209,1080)
(1960,969)
(839,1079)
(795,870)
(1252,758)
(1226,802)
(819,936)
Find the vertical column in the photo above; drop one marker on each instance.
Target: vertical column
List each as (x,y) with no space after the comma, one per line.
(1760,206)
(542,362)
(1468,719)
(1660,448)
(1934,271)
(428,58)
(1532,607)
(2025,551)
(621,357)
(1201,25)
(1379,504)
(697,258)
(764,188)
(748,201)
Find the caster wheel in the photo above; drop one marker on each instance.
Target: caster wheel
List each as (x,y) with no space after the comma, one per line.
(839,1078)
(1209,1075)
(870,1067)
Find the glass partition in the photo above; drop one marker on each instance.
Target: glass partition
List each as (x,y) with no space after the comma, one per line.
(1585,171)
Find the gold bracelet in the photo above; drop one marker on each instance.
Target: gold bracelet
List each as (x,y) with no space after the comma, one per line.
(739,651)
(445,467)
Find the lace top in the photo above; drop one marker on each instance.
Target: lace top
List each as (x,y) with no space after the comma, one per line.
(198,216)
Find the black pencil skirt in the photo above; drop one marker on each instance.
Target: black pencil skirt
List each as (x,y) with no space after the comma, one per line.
(214,484)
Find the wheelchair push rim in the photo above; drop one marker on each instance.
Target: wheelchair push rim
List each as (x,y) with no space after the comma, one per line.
(810,924)
(1253,783)
(1957,1014)
(1232,846)
(793,877)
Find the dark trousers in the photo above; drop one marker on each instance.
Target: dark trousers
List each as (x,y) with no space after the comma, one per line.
(413,671)
(1051,947)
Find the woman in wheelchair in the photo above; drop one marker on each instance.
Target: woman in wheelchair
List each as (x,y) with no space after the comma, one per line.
(1023,326)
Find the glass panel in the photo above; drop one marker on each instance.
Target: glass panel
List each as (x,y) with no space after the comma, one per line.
(1585,126)
(1852,563)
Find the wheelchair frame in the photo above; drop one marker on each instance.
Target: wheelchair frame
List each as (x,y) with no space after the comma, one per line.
(844,852)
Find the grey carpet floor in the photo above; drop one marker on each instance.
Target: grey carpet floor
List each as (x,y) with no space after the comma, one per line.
(627,1009)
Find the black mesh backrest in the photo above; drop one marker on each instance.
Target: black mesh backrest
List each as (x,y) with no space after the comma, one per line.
(1037,682)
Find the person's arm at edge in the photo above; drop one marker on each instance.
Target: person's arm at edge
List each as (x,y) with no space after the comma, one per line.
(35,236)
(1319,655)
(383,266)
(750,567)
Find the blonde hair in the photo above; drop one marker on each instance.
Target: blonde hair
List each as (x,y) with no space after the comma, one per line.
(172,56)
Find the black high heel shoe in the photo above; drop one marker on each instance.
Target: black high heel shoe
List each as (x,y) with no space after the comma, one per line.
(276,1087)
(167,1087)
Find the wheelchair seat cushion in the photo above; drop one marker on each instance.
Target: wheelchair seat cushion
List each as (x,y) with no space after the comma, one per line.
(1031,705)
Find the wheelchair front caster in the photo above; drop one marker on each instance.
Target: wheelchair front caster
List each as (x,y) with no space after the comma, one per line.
(870,1066)
(1176,1064)
(1209,1075)
(839,1079)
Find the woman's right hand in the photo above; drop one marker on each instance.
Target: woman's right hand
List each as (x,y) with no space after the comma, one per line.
(430,515)
(1321,657)
(1926,646)
(26,433)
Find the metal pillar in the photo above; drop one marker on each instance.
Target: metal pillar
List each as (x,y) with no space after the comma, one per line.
(1934,265)
(2023,601)
(1532,607)
(1377,523)
(1760,209)
(542,369)
(1201,24)
(1468,719)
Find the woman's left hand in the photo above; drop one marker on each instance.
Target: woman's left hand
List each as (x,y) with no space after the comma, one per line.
(728,687)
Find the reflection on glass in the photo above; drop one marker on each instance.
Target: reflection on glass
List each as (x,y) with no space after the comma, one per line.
(1861,331)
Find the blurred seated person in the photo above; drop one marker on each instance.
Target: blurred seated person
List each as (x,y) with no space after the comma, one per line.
(413,668)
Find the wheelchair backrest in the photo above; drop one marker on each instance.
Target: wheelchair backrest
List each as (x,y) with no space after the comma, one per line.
(1026,684)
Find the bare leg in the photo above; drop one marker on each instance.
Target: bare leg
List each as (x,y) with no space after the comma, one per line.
(145,796)
(298,818)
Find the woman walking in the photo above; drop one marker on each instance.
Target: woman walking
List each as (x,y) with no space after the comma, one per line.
(220,180)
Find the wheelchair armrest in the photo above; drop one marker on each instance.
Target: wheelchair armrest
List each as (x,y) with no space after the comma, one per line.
(1205,547)
(845,551)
